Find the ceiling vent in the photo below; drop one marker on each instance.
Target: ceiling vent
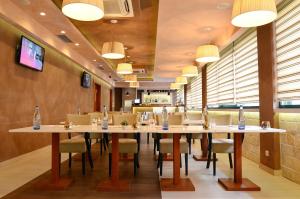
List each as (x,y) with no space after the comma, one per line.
(118,8)
(64,38)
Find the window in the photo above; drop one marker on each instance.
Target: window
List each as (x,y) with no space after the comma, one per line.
(288,54)
(194,93)
(233,80)
(180,95)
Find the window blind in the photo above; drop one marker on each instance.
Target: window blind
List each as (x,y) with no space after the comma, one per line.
(220,80)
(246,69)
(194,93)
(180,96)
(288,52)
(233,80)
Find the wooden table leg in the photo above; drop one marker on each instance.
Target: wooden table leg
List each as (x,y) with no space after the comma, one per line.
(204,149)
(238,183)
(56,182)
(176,183)
(114,184)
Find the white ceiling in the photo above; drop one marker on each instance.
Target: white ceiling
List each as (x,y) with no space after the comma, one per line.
(183,26)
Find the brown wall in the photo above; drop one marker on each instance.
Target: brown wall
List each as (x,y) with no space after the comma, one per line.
(56,90)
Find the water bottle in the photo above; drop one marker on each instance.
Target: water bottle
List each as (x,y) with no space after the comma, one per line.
(241,124)
(36,119)
(165,122)
(105,119)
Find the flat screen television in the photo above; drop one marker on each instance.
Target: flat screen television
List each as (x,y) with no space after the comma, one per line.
(86,79)
(30,54)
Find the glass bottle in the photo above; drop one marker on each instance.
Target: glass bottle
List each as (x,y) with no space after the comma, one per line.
(241,124)
(36,119)
(165,122)
(105,119)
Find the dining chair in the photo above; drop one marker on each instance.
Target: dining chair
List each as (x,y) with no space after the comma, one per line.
(166,143)
(128,143)
(77,145)
(220,145)
(193,136)
(103,140)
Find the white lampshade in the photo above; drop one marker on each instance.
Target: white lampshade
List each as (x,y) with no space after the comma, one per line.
(252,13)
(207,53)
(124,69)
(181,80)
(113,50)
(174,86)
(134,84)
(130,78)
(190,71)
(83,10)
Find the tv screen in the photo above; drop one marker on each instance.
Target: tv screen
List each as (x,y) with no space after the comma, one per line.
(30,54)
(137,101)
(86,80)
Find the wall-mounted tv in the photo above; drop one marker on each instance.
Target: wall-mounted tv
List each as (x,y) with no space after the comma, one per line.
(30,54)
(86,80)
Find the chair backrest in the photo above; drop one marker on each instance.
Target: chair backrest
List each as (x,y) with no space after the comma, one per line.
(173,119)
(95,115)
(79,119)
(222,119)
(118,119)
(194,116)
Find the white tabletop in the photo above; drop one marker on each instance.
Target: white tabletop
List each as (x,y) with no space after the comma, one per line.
(192,122)
(145,129)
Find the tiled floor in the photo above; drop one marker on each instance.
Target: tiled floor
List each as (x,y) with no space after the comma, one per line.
(16,172)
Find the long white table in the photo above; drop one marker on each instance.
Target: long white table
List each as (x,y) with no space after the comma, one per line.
(174,184)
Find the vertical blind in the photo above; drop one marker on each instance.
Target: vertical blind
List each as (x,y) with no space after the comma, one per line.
(234,78)
(288,52)
(194,93)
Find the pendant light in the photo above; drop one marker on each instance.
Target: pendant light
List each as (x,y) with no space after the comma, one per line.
(252,13)
(124,69)
(207,53)
(190,71)
(174,86)
(130,78)
(181,80)
(113,50)
(83,10)
(134,84)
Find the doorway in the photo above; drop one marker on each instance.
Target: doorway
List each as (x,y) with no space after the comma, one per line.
(97,98)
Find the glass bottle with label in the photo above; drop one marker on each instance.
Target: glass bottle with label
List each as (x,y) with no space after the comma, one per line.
(105,119)
(36,118)
(241,124)
(165,122)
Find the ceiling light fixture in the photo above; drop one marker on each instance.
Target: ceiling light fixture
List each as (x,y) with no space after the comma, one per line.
(113,21)
(77,44)
(252,13)
(207,53)
(42,13)
(181,80)
(174,86)
(130,78)
(83,10)
(124,69)
(190,71)
(63,32)
(134,84)
(113,50)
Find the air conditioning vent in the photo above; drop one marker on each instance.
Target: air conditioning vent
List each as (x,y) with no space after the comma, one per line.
(139,71)
(65,39)
(118,8)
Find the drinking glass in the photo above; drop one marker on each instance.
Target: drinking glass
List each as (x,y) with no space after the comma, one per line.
(212,123)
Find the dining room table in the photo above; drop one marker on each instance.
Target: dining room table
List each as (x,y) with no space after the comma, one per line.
(176,183)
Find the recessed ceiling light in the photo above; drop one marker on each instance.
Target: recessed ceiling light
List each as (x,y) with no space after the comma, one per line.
(207,29)
(63,32)
(125,48)
(94,60)
(128,56)
(42,14)
(113,21)
(223,6)
(77,44)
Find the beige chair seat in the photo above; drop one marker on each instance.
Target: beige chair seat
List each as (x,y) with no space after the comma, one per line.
(126,145)
(74,145)
(222,145)
(166,145)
